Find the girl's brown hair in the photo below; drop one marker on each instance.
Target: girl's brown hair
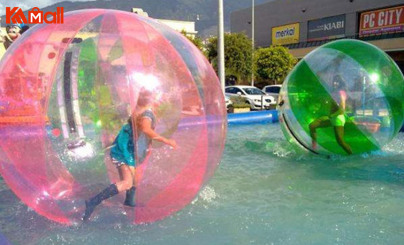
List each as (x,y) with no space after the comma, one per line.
(145,98)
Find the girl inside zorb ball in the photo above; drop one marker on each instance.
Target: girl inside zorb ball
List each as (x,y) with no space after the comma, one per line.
(108,115)
(345,97)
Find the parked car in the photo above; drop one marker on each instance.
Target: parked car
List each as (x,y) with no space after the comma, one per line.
(273,90)
(252,95)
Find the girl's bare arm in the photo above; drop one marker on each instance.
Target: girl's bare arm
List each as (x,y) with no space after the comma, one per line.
(145,126)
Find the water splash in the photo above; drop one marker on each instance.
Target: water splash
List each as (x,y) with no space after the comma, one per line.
(208,194)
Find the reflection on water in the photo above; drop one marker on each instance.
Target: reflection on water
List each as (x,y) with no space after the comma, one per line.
(262,193)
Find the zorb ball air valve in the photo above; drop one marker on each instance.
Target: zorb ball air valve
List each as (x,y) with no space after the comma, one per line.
(67,90)
(345,97)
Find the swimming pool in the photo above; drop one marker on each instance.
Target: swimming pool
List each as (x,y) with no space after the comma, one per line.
(262,193)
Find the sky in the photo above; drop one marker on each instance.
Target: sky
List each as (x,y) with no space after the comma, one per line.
(28,4)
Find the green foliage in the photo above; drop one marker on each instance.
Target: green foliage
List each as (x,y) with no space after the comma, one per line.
(197,41)
(239,102)
(96,102)
(273,64)
(237,55)
(86,74)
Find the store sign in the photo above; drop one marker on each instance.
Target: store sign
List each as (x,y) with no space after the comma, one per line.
(326,28)
(382,21)
(286,34)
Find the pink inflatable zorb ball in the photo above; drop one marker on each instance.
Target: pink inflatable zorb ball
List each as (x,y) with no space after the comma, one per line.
(67,89)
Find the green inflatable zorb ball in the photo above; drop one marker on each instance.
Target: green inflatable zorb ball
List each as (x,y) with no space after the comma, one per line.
(345,97)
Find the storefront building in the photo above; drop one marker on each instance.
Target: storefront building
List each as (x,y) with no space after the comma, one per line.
(306,24)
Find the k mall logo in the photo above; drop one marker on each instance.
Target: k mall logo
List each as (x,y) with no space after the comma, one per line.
(35,16)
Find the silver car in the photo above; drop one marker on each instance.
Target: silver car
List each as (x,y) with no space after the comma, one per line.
(254,96)
(273,90)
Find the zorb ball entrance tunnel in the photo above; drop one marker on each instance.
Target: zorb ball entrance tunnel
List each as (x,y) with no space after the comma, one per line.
(345,87)
(67,89)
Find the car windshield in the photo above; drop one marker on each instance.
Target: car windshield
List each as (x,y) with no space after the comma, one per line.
(253,91)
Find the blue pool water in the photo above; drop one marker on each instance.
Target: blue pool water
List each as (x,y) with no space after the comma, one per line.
(262,193)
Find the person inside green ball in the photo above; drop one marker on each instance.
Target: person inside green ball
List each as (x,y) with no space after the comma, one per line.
(336,118)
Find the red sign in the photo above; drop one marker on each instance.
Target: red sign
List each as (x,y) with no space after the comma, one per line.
(35,16)
(382,21)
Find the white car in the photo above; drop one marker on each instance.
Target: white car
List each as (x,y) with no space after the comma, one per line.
(273,90)
(252,95)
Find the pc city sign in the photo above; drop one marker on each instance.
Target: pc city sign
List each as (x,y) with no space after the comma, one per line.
(382,21)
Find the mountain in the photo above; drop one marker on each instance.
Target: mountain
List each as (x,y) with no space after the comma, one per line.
(203,12)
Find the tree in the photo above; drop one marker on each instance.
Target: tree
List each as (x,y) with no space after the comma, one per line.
(273,64)
(237,55)
(197,41)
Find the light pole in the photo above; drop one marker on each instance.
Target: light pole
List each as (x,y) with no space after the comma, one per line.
(220,45)
(252,43)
